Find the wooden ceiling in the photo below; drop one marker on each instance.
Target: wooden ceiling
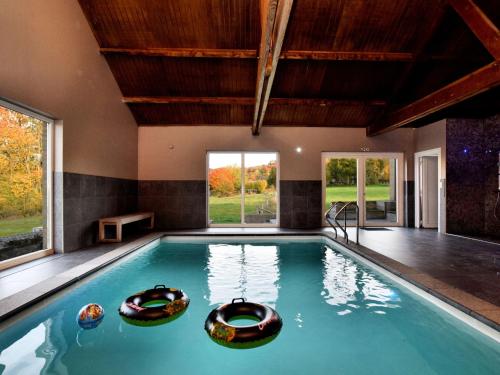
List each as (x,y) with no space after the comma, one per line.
(333,63)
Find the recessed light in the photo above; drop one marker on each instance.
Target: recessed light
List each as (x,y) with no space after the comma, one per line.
(299,150)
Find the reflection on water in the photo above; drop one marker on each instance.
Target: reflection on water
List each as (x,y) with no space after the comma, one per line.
(349,287)
(37,351)
(21,356)
(249,271)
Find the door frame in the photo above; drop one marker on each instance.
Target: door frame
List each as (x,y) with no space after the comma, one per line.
(362,156)
(242,192)
(441,197)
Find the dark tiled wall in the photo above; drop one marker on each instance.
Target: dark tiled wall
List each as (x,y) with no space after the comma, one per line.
(176,204)
(86,200)
(472,175)
(300,204)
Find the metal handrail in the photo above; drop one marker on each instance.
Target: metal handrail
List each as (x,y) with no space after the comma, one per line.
(336,223)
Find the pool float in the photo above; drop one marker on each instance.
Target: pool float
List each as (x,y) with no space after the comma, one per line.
(137,309)
(90,316)
(267,327)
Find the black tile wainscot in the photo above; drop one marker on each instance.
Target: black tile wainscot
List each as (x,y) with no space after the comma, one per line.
(300,204)
(88,198)
(472,176)
(176,204)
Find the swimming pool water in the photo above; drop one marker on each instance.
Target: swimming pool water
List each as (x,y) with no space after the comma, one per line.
(339,317)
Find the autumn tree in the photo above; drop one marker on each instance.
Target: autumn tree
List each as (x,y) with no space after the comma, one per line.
(224,181)
(21,153)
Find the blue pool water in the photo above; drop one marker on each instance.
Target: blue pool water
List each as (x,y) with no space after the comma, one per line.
(339,317)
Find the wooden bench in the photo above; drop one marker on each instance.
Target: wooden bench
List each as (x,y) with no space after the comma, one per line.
(118,221)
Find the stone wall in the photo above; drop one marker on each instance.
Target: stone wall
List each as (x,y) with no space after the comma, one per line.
(20,244)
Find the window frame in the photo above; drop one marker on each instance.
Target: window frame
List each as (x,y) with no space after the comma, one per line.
(49,181)
(241,224)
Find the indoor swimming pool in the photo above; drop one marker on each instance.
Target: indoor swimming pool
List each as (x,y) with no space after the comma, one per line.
(340,315)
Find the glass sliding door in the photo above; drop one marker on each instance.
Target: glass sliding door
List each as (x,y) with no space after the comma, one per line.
(224,188)
(243,188)
(341,176)
(372,180)
(260,199)
(380,191)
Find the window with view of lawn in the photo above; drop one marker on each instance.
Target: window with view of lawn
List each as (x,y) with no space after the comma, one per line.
(242,188)
(371,180)
(24,176)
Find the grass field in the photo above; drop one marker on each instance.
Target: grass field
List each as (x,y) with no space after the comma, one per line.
(226,210)
(9,227)
(348,193)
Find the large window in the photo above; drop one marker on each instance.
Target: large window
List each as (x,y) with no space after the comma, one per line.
(25,182)
(243,188)
(371,180)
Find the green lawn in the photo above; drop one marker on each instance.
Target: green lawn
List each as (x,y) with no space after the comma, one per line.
(9,227)
(226,210)
(348,193)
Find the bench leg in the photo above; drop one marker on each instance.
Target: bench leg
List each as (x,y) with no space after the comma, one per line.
(152,222)
(118,233)
(101,232)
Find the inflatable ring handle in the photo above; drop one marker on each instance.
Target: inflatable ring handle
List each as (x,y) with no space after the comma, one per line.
(235,299)
(160,285)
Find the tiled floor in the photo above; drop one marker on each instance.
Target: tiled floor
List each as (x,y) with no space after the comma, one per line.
(26,275)
(461,270)
(470,265)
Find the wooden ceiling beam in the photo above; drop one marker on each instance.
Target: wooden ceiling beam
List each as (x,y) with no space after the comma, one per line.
(481,80)
(285,55)
(326,102)
(249,101)
(274,20)
(183,52)
(347,55)
(252,54)
(485,30)
(187,100)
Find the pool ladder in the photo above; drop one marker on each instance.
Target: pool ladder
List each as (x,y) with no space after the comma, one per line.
(332,215)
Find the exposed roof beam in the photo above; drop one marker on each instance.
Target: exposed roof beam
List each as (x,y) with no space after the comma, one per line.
(183,52)
(425,38)
(462,89)
(187,100)
(480,24)
(347,55)
(285,55)
(248,101)
(274,20)
(325,102)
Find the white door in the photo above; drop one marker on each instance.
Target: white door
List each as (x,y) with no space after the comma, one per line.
(429,191)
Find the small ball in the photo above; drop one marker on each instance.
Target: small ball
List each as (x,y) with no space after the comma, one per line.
(90,316)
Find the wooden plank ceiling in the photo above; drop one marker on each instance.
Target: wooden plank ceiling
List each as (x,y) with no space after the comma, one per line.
(378,64)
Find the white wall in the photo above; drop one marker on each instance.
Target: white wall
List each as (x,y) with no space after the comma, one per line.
(49,60)
(186,160)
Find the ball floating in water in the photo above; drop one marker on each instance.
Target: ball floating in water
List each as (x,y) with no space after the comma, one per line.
(90,316)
